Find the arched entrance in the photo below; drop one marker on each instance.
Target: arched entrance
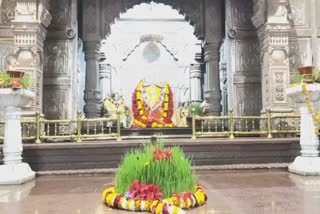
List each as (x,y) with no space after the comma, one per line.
(152,43)
(205,16)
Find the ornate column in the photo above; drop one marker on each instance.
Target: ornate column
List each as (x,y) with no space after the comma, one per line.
(273,33)
(212,91)
(104,77)
(92,94)
(29,29)
(223,79)
(195,82)
(213,28)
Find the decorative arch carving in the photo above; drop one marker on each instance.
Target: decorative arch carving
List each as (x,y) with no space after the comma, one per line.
(190,9)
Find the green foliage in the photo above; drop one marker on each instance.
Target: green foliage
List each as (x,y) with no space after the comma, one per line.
(297,78)
(171,176)
(197,109)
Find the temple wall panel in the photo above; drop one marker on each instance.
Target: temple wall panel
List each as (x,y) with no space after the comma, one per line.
(243,59)
(60,62)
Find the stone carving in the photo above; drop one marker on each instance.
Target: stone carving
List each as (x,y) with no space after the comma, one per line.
(59,9)
(56,106)
(55,60)
(248,99)
(300,53)
(70,33)
(6,51)
(7,11)
(296,13)
(242,13)
(25,58)
(259,13)
(248,55)
(278,87)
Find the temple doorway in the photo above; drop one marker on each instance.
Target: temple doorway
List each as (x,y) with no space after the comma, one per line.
(154,44)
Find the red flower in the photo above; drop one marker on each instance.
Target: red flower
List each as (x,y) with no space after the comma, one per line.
(145,191)
(167,153)
(157,155)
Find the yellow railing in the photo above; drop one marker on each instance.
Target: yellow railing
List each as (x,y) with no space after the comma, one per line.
(232,126)
(42,130)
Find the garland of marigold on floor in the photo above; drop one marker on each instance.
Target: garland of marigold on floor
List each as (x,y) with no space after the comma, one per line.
(140,117)
(316,117)
(172,205)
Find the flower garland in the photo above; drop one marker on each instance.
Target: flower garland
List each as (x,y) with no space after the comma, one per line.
(138,107)
(173,205)
(316,117)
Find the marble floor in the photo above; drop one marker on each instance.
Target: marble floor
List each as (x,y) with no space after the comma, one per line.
(254,191)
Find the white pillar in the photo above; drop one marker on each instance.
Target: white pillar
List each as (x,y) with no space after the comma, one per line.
(195,82)
(309,161)
(14,171)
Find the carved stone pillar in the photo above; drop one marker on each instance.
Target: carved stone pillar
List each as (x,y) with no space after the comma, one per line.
(92,96)
(29,29)
(195,82)
(105,79)
(212,91)
(274,51)
(60,62)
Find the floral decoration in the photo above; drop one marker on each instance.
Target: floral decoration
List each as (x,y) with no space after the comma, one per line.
(315,116)
(144,116)
(172,205)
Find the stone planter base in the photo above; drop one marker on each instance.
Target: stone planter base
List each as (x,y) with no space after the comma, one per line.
(16,173)
(306,166)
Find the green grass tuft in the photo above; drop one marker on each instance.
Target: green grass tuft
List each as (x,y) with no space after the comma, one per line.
(171,176)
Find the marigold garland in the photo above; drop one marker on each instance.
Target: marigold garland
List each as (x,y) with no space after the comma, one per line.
(138,108)
(173,205)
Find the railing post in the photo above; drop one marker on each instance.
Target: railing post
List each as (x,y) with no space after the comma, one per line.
(268,112)
(118,127)
(231,121)
(38,128)
(79,127)
(194,136)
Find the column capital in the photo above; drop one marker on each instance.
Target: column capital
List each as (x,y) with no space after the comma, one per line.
(211,51)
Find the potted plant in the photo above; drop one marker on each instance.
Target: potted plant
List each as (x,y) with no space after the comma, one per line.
(14,80)
(307,74)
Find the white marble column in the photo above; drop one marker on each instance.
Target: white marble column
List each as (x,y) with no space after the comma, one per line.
(105,79)
(92,93)
(212,92)
(195,82)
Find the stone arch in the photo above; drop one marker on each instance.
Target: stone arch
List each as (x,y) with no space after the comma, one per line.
(190,9)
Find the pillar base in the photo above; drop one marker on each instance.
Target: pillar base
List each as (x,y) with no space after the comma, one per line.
(16,174)
(305,166)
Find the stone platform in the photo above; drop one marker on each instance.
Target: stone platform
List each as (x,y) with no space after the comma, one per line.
(229,192)
(203,152)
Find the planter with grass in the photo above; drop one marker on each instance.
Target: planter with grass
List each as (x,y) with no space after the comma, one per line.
(155,179)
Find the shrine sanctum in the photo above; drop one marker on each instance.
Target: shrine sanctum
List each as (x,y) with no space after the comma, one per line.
(245,55)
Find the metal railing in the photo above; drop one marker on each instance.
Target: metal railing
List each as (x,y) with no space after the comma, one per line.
(40,130)
(232,126)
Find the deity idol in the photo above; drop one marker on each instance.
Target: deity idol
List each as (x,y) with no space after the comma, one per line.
(152,106)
